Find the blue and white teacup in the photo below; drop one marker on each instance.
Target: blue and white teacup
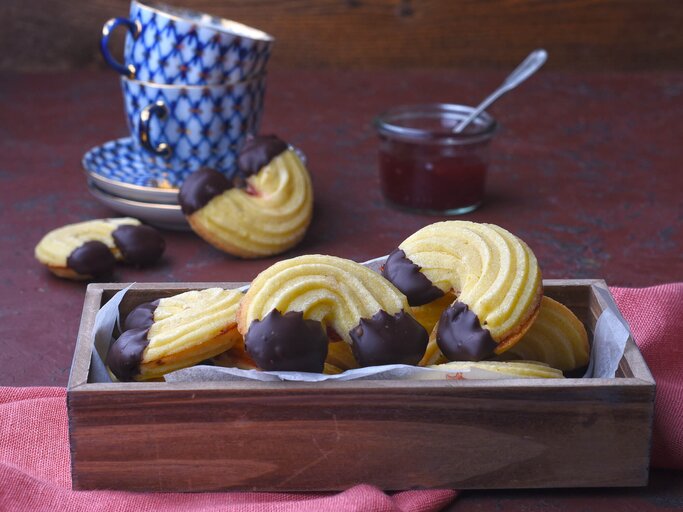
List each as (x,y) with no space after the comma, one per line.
(168,45)
(183,128)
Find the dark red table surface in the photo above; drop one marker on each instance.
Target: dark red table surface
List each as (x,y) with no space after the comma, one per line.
(587,169)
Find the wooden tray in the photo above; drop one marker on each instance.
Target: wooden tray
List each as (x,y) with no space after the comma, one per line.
(517,433)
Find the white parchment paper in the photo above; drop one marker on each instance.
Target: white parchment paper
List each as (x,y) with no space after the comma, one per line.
(386,372)
(609,341)
(107,318)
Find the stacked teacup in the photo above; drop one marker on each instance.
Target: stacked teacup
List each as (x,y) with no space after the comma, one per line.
(193,87)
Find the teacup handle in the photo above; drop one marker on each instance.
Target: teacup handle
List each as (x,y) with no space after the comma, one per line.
(159,110)
(107,29)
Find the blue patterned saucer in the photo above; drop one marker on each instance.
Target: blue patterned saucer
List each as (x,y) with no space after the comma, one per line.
(117,167)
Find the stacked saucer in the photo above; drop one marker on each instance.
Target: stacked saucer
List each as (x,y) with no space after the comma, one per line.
(193,87)
(122,178)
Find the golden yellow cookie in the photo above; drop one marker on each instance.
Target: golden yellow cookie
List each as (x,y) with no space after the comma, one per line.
(265,211)
(556,337)
(493,274)
(428,316)
(175,332)
(235,357)
(432,353)
(295,307)
(90,249)
(517,369)
(340,356)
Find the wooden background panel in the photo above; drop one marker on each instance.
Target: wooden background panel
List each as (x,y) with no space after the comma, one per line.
(579,34)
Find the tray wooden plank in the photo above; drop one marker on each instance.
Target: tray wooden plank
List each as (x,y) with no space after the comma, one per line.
(327,439)
(517,433)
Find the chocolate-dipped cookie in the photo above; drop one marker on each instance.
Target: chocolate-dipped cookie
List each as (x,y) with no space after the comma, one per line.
(265,210)
(492,274)
(296,307)
(557,337)
(175,332)
(90,249)
(504,370)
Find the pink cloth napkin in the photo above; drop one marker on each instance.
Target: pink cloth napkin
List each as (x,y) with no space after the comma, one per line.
(34,447)
(655,316)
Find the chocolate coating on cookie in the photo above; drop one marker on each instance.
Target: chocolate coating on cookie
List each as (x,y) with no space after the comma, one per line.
(139,245)
(91,259)
(141,317)
(406,276)
(257,152)
(200,188)
(287,342)
(125,354)
(389,339)
(461,337)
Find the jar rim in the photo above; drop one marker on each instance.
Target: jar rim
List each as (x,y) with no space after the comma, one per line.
(388,123)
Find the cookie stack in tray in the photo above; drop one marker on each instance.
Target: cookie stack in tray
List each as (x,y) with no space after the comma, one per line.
(193,88)
(457,297)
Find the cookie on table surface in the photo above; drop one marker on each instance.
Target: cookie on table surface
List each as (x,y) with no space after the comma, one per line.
(175,332)
(494,275)
(265,210)
(296,307)
(89,249)
(557,337)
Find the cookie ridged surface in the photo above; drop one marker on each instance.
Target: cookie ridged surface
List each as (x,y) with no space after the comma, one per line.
(557,337)
(56,246)
(347,300)
(175,332)
(493,273)
(270,215)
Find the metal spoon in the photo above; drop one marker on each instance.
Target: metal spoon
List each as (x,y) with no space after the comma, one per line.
(527,68)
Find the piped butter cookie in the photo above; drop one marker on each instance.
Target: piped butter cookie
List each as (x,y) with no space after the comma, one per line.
(294,308)
(90,249)
(493,274)
(265,210)
(175,332)
(557,337)
(512,369)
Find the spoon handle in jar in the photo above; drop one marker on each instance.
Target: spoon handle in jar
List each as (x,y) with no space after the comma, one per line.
(527,68)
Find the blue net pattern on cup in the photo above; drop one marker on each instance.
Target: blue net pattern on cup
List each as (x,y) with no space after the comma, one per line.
(167,51)
(204,127)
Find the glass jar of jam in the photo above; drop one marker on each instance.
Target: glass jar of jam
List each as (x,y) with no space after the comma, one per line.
(425,166)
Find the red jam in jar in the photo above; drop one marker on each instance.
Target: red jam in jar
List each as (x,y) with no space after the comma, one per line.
(425,166)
